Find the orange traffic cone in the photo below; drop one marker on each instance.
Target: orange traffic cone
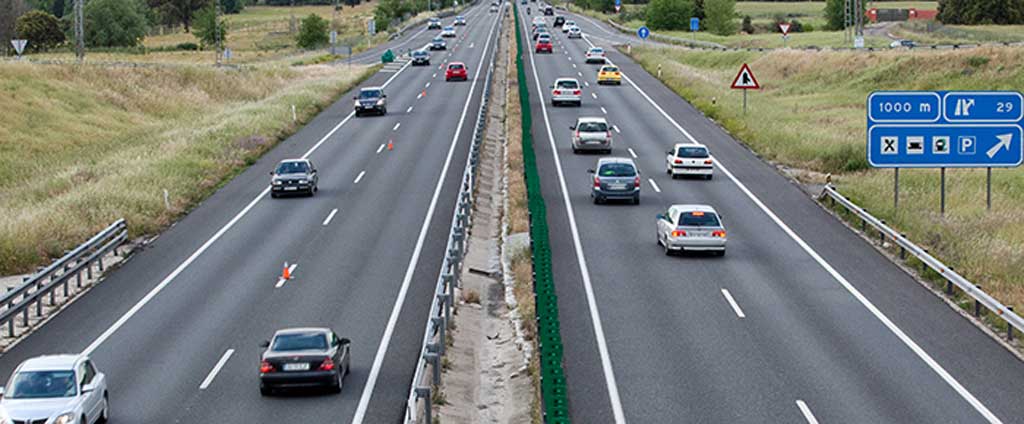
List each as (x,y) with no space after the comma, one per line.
(391,145)
(286,274)
(424,93)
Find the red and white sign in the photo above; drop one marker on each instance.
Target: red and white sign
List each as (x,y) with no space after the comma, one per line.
(617,8)
(785,28)
(745,79)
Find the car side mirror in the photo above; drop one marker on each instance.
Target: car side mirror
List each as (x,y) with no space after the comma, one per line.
(660,216)
(271,173)
(265,344)
(355,97)
(88,388)
(590,171)
(345,341)
(572,127)
(384,96)
(668,152)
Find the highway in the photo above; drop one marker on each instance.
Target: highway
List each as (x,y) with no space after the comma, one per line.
(177,328)
(802,320)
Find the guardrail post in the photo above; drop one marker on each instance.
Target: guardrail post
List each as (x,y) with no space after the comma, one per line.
(446,304)
(1009,327)
(424,393)
(10,328)
(863,225)
(977,303)
(949,287)
(100,260)
(903,250)
(439,322)
(434,360)
(88,271)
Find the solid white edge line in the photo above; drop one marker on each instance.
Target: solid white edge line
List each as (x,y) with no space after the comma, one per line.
(654,185)
(216,236)
(216,369)
(910,343)
(359,177)
(806,411)
(732,302)
(330,217)
(616,128)
(602,345)
(631,152)
(382,349)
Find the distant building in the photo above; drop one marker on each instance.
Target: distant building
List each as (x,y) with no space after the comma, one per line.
(898,15)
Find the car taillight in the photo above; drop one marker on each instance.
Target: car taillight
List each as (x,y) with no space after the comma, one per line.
(576,92)
(557,92)
(597,182)
(327,365)
(718,233)
(707,162)
(678,161)
(679,233)
(577,133)
(266,367)
(636,181)
(608,135)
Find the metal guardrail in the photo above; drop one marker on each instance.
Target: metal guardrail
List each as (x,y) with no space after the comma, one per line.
(438,322)
(20,300)
(927,261)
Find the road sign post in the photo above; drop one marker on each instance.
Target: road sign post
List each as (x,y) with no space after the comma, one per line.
(334,42)
(784,26)
(618,6)
(19,46)
(945,129)
(745,80)
(643,32)
(694,27)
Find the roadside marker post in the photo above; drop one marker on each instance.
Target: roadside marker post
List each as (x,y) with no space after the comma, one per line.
(745,80)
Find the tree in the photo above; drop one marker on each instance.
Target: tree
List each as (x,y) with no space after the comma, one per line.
(981,12)
(835,14)
(114,23)
(313,32)
(719,16)
(386,11)
(41,29)
(669,14)
(232,6)
(177,12)
(10,10)
(748,25)
(207,28)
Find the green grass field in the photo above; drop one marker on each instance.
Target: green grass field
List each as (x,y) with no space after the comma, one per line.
(810,116)
(84,146)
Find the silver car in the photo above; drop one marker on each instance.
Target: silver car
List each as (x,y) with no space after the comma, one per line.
(615,178)
(566,90)
(567,25)
(56,389)
(591,133)
(696,228)
(575,32)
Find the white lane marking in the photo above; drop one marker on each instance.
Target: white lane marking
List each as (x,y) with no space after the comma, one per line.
(330,217)
(631,152)
(471,45)
(910,343)
(216,369)
(419,96)
(435,74)
(360,177)
(382,349)
(574,66)
(281,281)
(806,411)
(409,110)
(616,128)
(216,236)
(379,149)
(427,86)
(580,74)
(570,58)
(732,302)
(603,110)
(654,185)
(594,95)
(602,345)
(586,83)
(396,126)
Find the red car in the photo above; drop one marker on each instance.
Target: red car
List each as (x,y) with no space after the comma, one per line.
(456,71)
(544,45)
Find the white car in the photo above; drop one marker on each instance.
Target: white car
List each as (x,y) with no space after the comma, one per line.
(689,159)
(64,389)
(434,23)
(591,133)
(697,228)
(567,25)
(566,90)
(448,32)
(595,55)
(575,32)
(460,20)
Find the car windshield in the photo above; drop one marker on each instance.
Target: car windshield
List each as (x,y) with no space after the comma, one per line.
(574,29)
(438,40)
(692,152)
(698,219)
(448,28)
(567,84)
(292,168)
(369,94)
(300,341)
(592,127)
(617,170)
(609,69)
(42,384)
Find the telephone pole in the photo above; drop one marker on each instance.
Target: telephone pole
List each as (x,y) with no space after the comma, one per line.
(79,32)
(216,31)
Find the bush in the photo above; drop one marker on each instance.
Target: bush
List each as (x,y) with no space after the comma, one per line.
(719,16)
(313,32)
(669,14)
(114,23)
(41,29)
(386,11)
(207,29)
(187,46)
(981,12)
(232,7)
(748,26)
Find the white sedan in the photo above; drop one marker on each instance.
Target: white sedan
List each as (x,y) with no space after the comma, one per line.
(697,228)
(689,159)
(595,55)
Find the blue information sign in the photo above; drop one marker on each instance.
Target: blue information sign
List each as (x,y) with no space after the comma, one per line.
(694,24)
(643,32)
(943,129)
(618,2)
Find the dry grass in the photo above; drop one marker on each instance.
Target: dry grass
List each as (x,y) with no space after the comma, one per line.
(84,146)
(810,115)
(471,296)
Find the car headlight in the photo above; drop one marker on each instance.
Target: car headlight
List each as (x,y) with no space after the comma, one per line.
(276,182)
(380,102)
(357,103)
(302,181)
(65,418)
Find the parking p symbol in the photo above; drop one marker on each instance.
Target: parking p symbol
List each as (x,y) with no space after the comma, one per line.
(967,145)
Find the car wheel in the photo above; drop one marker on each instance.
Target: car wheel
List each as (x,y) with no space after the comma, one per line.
(597,200)
(266,391)
(338,384)
(575,150)
(579,103)
(668,171)
(273,195)
(105,412)
(720,253)
(636,199)
(668,252)
(384,111)
(709,177)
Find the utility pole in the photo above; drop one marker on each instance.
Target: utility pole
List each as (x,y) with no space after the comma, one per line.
(847,9)
(216,32)
(334,29)
(79,32)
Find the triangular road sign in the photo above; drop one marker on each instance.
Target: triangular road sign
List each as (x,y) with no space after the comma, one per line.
(19,45)
(745,79)
(785,28)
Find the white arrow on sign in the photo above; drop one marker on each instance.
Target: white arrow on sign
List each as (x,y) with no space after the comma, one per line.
(19,45)
(1004,143)
(785,28)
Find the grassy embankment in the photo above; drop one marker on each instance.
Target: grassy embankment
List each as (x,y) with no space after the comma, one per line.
(83,146)
(810,115)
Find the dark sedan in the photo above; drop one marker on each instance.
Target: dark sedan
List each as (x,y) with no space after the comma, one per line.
(304,358)
(371,100)
(420,57)
(294,176)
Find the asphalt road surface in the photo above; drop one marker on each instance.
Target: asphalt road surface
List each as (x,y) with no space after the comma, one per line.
(367,251)
(801,321)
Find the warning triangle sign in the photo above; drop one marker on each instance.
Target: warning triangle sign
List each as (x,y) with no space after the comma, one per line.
(785,28)
(745,79)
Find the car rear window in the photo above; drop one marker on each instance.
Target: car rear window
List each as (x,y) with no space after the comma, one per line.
(299,341)
(617,170)
(610,69)
(692,152)
(592,126)
(455,66)
(597,50)
(698,219)
(292,168)
(544,38)
(567,84)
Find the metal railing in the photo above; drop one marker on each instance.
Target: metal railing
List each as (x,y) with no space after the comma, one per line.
(31,294)
(927,261)
(438,322)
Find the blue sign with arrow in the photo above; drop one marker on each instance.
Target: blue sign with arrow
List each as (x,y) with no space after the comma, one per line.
(643,32)
(943,129)
(694,24)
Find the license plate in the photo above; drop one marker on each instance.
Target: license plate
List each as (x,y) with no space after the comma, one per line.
(616,186)
(290,188)
(700,233)
(304,366)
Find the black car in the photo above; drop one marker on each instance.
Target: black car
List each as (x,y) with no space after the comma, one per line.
(549,11)
(420,57)
(303,358)
(438,43)
(371,100)
(559,21)
(294,176)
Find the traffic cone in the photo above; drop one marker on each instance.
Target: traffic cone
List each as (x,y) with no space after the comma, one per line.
(424,93)
(286,274)
(391,145)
